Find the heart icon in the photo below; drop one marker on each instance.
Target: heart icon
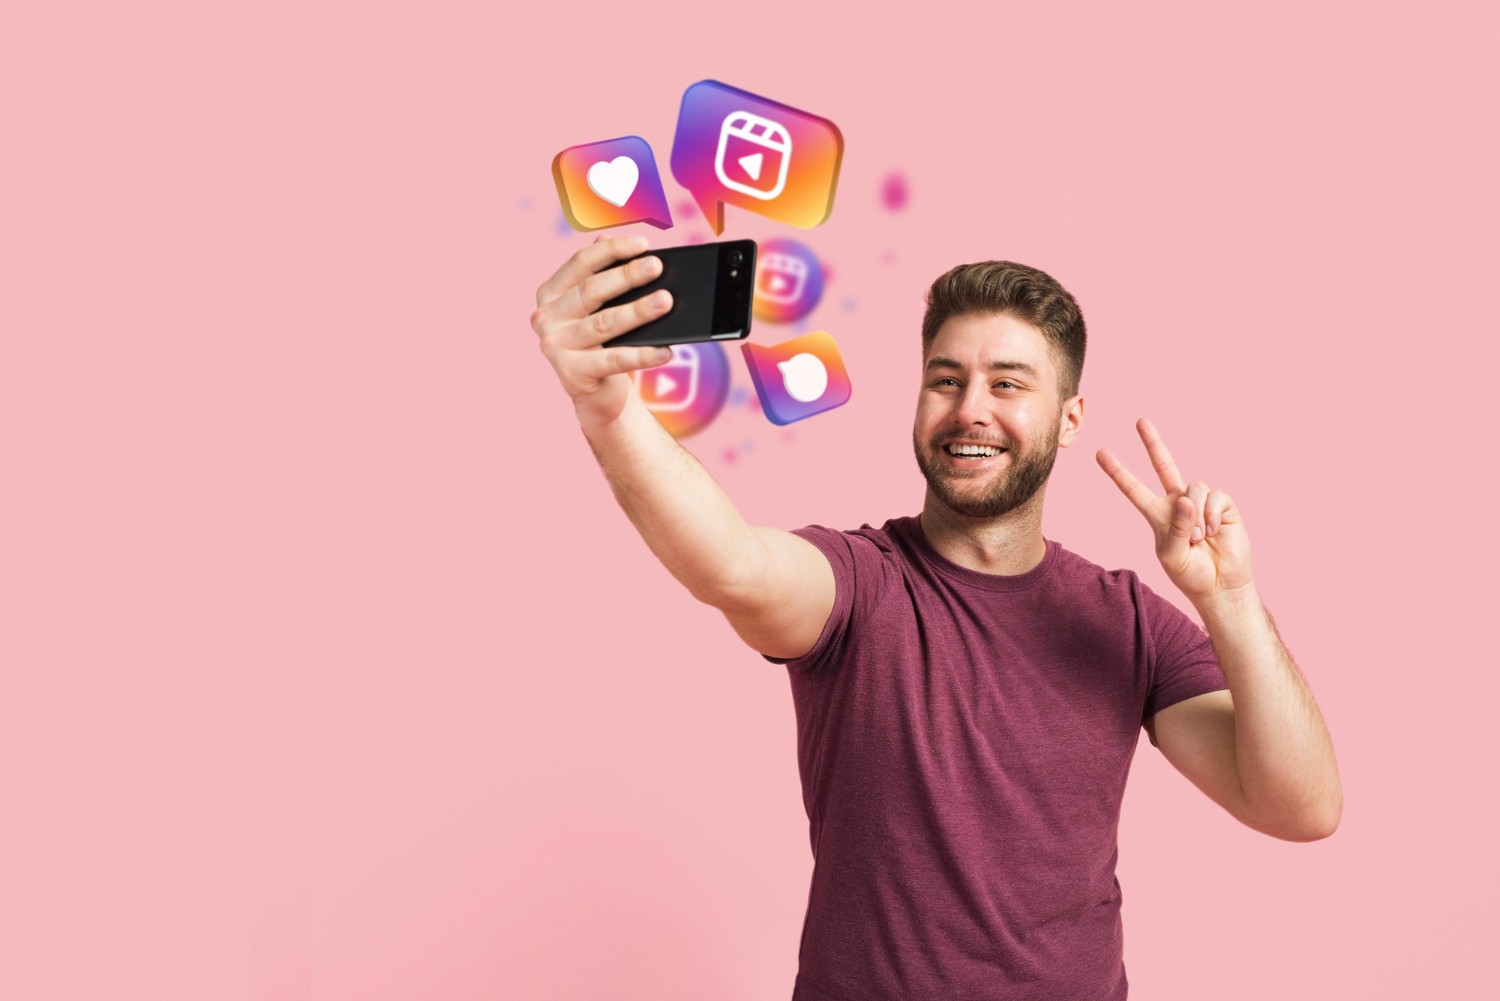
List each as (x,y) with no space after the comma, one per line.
(614,180)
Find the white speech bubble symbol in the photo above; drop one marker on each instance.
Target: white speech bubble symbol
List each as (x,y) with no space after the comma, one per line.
(804,376)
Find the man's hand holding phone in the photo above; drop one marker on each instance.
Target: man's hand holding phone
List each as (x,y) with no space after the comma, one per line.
(776,589)
(573,328)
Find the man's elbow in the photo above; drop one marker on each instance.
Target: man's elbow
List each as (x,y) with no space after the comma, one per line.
(1328,821)
(1313,823)
(1314,831)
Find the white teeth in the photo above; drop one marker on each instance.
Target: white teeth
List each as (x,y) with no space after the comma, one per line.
(975,450)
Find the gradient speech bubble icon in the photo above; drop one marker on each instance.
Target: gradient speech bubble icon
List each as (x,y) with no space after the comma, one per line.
(610,183)
(737,148)
(798,378)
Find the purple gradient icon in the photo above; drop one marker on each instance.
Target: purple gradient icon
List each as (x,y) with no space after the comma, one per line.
(738,148)
(798,378)
(610,183)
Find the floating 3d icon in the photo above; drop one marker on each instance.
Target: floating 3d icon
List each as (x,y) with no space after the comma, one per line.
(734,147)
(788,281)
(688,392)
(798,378)
(610,184)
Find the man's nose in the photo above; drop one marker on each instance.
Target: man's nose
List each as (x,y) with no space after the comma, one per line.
(973,405)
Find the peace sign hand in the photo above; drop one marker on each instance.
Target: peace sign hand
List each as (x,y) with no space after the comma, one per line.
(1200,539)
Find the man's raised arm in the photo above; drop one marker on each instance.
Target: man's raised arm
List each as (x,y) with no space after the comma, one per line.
(775,588)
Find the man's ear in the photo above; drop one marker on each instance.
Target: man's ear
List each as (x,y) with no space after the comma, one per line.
(1070,421)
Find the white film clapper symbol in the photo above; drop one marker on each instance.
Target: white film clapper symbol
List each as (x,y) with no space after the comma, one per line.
(660,386)
(770,137)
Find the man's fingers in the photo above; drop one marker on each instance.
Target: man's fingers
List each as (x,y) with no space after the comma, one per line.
(1179,531)
(1197,492)
(1161,459)
(582,298)
(596,328)
(586,261)
(596,365)
(1140,495)
(1218,510)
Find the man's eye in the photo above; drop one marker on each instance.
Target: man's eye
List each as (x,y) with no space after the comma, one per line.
(1002,382)
(945,379)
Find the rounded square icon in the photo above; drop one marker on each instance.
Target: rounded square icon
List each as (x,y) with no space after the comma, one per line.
(752,148)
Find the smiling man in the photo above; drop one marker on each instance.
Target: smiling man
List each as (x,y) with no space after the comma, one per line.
(969,694)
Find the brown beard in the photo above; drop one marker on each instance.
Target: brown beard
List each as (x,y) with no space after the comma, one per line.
(1012,488)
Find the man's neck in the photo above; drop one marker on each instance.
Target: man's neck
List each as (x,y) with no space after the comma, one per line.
(1010,544)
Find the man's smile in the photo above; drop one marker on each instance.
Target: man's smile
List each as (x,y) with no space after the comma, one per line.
(971,454)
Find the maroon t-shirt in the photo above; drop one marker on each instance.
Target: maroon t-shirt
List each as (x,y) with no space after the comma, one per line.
(963,740)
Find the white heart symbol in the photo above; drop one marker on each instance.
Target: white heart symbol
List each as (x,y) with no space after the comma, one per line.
(614,180)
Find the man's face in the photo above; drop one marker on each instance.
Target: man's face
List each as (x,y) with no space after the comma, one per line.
(989,381)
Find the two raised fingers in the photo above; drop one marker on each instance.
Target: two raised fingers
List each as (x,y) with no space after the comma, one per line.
(1207,504)
(1139,494)
(1161,459)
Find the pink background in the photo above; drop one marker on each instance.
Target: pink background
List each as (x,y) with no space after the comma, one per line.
(331,669)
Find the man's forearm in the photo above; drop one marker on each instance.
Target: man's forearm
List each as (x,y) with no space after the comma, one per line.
(1284,754)
(680,511)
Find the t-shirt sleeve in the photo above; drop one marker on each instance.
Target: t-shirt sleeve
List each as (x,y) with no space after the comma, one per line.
(859,566)
(1183,662)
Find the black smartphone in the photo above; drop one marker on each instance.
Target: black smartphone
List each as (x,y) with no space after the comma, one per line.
(711,286)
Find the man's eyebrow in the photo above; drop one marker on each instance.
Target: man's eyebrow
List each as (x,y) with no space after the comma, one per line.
(995,366)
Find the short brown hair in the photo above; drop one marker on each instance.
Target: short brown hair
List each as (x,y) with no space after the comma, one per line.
(1025,293)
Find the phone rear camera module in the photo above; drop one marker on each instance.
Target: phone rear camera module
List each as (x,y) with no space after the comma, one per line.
(736,258)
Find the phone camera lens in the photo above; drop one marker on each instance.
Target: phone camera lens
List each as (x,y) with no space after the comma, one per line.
(736,258)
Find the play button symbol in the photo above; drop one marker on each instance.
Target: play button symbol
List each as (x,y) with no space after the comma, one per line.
(664,384)
(751,164)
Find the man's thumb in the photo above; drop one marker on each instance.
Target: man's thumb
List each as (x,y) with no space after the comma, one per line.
(1183,515)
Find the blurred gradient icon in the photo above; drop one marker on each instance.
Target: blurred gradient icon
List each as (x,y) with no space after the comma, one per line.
(735,147)
(673,386)
(798,378)
(688,392)
(788,281)
(610,183)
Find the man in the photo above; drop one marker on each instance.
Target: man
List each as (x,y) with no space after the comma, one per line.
(968,693)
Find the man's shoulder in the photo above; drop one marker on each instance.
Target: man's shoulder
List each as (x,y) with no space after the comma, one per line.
(1121,589)
(886,538)
(1077,571)
(865,554)
(1080,565)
